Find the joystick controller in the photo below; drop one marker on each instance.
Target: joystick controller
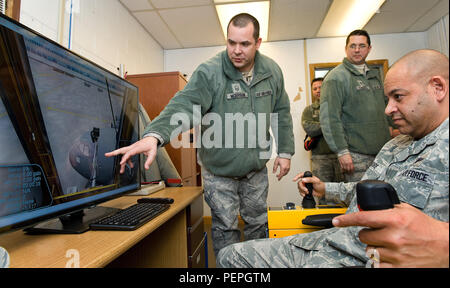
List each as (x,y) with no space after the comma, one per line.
(291,219)
(375,195)
(308,199)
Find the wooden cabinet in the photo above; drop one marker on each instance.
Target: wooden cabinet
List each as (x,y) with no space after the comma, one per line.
(155,92)
(196,237)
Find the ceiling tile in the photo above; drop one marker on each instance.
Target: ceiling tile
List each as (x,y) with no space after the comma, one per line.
(296,19)
(194,26)
(160,4)
(398,15)
(431,17)
(158,29)
(193,23)
(136,5)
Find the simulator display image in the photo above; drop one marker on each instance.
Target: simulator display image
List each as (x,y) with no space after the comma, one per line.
(59,115)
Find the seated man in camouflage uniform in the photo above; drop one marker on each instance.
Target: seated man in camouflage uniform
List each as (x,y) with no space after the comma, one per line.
(417,87)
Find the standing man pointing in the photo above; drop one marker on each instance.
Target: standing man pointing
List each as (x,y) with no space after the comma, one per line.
(241,81)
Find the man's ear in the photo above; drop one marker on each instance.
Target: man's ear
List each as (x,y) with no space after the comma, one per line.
(258,43)
(439,87)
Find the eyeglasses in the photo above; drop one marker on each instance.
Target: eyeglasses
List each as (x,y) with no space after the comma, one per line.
(360,46)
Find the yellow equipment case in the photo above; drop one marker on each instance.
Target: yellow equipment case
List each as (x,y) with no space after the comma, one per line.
(287,220)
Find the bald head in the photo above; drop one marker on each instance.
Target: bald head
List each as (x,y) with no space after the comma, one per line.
(417,87)
(422,64)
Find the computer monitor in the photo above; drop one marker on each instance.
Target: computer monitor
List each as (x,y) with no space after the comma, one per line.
(59,114)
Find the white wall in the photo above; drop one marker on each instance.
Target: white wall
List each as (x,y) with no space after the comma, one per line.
(386,46)
(290,55)
(102,31)
(41,16)
(186,60)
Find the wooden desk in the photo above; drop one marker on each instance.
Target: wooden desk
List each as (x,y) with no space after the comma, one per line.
(161,242)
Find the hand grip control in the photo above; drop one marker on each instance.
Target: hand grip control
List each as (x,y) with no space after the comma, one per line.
(308,199)
(375,195)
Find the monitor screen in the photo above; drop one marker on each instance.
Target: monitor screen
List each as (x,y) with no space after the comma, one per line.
(59,115)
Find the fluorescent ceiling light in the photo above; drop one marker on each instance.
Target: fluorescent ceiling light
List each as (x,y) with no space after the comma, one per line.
(344,16)
(225,1)
(259,10)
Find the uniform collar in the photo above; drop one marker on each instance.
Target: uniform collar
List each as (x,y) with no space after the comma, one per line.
(248,76)
(234,74)
(350,67)
(417,146)
(316,104)
(372,73)
(440,132)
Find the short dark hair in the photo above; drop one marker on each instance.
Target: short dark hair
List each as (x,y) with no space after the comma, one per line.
(358,33)
(316,80)
(241,20)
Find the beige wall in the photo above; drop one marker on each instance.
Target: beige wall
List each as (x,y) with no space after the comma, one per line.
(102,31)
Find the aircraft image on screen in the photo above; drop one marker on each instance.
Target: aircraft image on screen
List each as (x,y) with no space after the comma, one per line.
(70,123)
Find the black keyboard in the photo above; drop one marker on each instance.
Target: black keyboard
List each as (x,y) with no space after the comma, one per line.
(130,218)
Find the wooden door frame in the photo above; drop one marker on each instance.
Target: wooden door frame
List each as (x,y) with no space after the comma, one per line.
(379,62)
(13,9)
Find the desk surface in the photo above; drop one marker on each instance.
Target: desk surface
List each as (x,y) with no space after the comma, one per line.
(94,248)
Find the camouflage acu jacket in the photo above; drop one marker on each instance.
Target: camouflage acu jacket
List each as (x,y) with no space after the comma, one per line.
(418,170)
(311,125)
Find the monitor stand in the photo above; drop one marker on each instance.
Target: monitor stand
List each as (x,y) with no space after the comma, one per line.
(72,223)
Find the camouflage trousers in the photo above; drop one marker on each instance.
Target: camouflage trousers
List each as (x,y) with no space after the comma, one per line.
(228,197)
(361,162)
(280,253)
(327,168)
